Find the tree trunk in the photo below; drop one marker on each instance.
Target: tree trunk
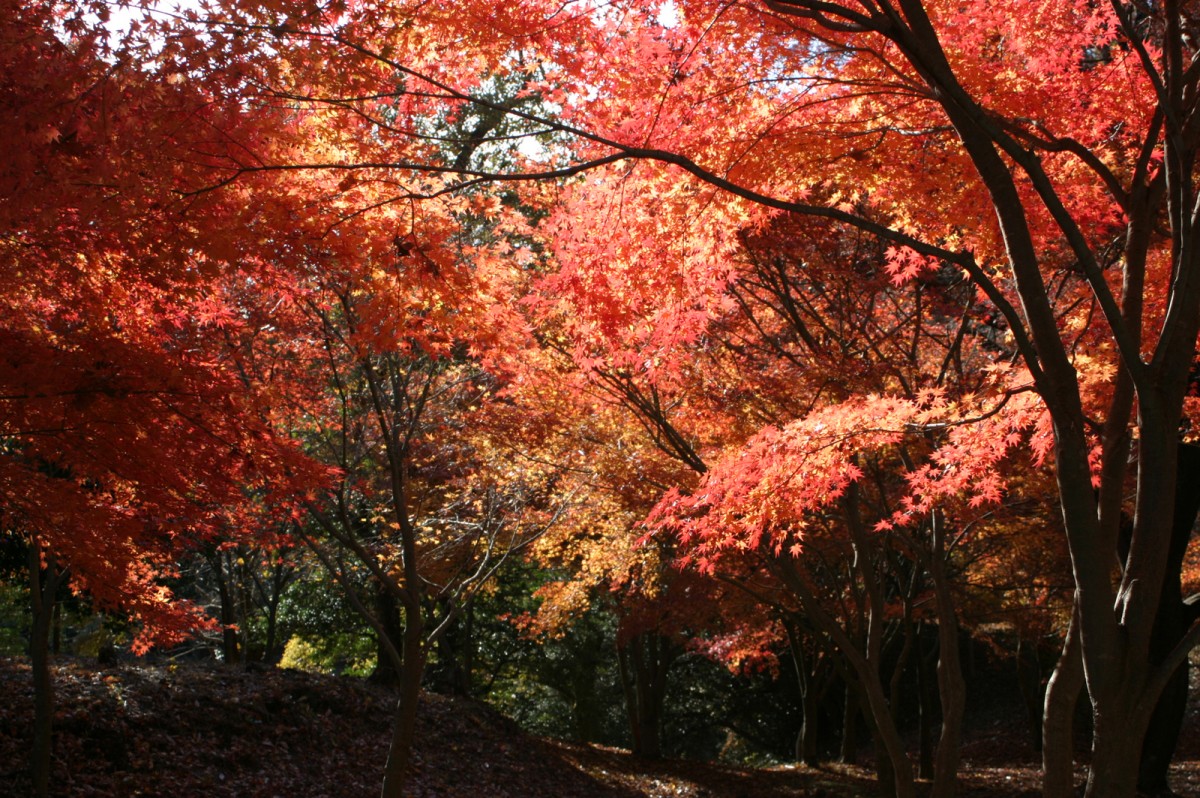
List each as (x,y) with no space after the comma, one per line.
(1029,680)
(273,651)
(228,613)
(928,700)
(644,661)
(952,690)
(404,726)
(812,674)
(450,672)
(387,610)
(1116,750)
(848,754)
(56,639)
(1170,625)
(807,749)
(43,589)
(1058,720)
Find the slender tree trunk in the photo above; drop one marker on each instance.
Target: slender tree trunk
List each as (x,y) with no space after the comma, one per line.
(885,770)
(56,639)
(468,650)
(1029,681)
(387,610)
(43,589)
(404,727)
(807,749)
(895,684)
(1058,720)
(450,674)
(629,691)
(928,699)
(644,661)
(228,613)
(848,754)
(952,690)
(809,673)
(273,651)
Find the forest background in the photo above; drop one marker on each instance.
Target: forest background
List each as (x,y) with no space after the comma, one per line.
(797,334)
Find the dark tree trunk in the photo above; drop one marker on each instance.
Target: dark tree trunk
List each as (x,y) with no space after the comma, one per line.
(644,660)
(228,611)
(450,672)
(927,695)
(849,750)
(815,676)
(885,770)
(585,711)
(404,727)
(1058,719)
(1029,679)
(952,688)
(56,640)
(43,589)
(1172,622)
(279,579)
(387,610)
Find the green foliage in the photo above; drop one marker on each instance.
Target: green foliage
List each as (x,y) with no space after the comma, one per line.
(324,634)
(750,719)
(342,655)
(14,618)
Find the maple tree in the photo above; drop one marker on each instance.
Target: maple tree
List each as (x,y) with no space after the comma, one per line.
(1040,149)
(904,122)
(760,363)
(600,549)
(378,354)
(1044,267)
(804,512)
(1041,153)
(108,367)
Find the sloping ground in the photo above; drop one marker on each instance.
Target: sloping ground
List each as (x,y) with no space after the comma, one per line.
(176,732)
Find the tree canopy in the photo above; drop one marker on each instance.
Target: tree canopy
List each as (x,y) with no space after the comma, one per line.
(785,311)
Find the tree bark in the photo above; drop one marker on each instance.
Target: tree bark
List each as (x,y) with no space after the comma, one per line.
(927,696)
(1170,625)
(952,690)
(1116,750)
(1029,681)
(1058,719)
(387,609)
(404,726)
(644,661)
(848,753)
(219,562)
(43,589)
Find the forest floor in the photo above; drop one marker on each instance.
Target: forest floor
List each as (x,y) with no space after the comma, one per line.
(177,731)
